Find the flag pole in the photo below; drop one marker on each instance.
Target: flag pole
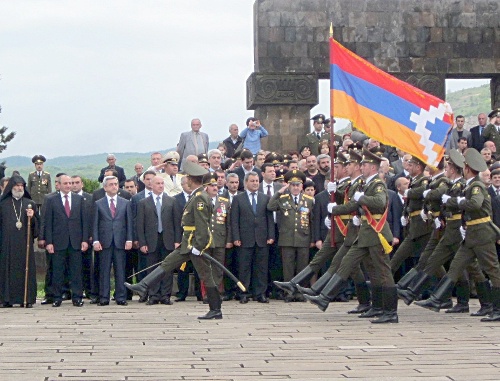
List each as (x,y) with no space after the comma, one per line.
(332,142)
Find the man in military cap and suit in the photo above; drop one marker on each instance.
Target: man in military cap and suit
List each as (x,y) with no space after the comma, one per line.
(480,235)
(327,125)
(196,239)
(220,224)
(171,175)
(419,231)
(39,183)
(492,130)
(372,244)
(313,138)
(295,211)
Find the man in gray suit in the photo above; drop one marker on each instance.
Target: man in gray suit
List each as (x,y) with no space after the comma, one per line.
(192,142)
(112,236)
(159,235)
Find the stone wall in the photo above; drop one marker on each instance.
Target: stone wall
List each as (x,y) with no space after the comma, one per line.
(420,41)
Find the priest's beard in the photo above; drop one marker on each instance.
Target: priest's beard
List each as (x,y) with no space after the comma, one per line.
(17,194)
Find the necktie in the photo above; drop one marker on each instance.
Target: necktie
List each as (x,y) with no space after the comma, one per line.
(150,193)
(254,204)
(498,191)
(296,201)
(39,174)
(112,207)
(269,190)
(172,178)
(158,211)
(318,135)
(67,208)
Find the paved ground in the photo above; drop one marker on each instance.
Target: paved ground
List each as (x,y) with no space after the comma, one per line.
(277,341)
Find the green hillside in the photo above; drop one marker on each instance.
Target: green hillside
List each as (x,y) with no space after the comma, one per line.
(470,102)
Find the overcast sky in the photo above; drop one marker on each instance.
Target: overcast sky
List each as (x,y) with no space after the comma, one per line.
(84,77)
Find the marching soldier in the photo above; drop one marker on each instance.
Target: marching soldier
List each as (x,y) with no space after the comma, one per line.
(295,225)
(196,239)
(39,183)
(372,244)
(419,231)
(480,235)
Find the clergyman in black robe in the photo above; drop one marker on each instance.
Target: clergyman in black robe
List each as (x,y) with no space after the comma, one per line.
(14,213)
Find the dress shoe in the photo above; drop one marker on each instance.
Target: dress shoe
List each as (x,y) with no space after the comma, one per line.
(360,308)
(286,286)
(485,310)
(152,302)
(57,303)
(78,303)
(166,302)
(386,317)
(298,297)
(122,303)
(244,300)
(103,304)
(372,312)
(143,299)
(212,314)
(7,305)
(262,299)
(227,298)
(180,299)
(28,305)
(458,308)
(47,301)
(66,296)
(94,300)
(288,298)
(320,301)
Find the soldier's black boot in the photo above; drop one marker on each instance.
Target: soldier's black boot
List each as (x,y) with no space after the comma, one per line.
(406,280)
(291,286)
(363,295)
(377,303)
(390,306)
(463,294)
(316,288)
(495,298)
(441,296)
(414,289)
(149,280)
(484,295)
(214,302)
(329,292)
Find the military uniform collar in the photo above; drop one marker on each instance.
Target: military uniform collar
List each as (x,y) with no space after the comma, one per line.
(456,180)
(437,176)
(344,179)
(356,178)
(369,179)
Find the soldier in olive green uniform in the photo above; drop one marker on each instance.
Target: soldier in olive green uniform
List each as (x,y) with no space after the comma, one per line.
(220,225)
(294,210)
(196,239)
(313,138)
(491,131)
(419,230)
(479,242)
(372,244)
(326,252)
(39,183)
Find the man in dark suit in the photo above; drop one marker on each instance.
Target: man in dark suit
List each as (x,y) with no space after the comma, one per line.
(101,193)
(247,165)
(66,229)
(112,236)
(233,141)
(111,159)
(252,226)
(494,192)
(476,138)
(159,235)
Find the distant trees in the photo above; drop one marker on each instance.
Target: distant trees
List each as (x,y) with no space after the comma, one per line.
(5,137)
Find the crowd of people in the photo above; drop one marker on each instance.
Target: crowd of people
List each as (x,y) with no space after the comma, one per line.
(377,224)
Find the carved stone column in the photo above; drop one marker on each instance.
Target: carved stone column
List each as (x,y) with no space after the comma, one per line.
(282,102)
(495,92)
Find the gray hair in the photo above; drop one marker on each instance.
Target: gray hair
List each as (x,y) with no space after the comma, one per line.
(248,174)
(110,155)
(231,174)
(214,151)
(108,178)
(322,156)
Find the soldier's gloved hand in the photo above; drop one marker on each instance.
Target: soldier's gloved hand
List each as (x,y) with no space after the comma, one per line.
(445,198)
(459,199)
(462,232)
(404,221)
(356,221)
(328,222)
(424,215)
(195,251)
(358,195)
(437,223)
(426,192)
(330,206)
(332,187)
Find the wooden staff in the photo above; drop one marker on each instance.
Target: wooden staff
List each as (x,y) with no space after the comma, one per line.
(26,271)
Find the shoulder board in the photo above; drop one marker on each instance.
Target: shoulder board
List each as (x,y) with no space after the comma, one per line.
(377,181)
(283,195)
(46,173)
(223,198)
(198,193)
(32,173)
(307,196)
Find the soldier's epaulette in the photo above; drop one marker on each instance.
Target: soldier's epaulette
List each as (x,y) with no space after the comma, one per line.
(307,196)
(284,195)
(223,198)
(198,193)
(46,173)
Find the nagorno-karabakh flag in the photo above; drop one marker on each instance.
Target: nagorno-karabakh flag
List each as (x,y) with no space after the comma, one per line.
(386,108)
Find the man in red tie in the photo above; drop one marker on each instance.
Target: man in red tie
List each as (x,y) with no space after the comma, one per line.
(66,235)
